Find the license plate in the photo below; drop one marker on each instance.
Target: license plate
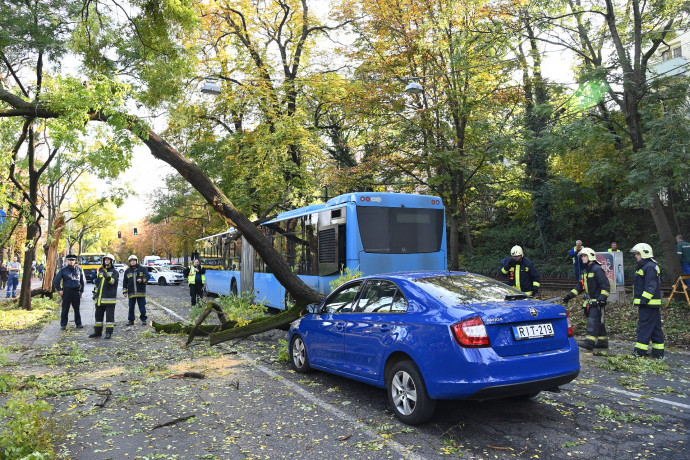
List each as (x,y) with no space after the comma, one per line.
(533,331)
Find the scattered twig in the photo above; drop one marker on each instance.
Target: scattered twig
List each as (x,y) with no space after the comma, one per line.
(106,393)
(172,422)
(193,375)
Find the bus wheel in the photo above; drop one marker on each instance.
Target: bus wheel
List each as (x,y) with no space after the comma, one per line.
(161,281)
(233,288)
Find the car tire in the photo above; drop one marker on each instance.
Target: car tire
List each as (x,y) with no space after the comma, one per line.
(162,281)
(298,355)
(407,394)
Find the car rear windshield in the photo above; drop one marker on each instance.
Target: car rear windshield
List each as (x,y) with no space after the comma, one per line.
(464,289)
(400,230)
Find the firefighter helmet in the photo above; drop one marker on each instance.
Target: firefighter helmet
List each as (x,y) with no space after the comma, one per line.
(644,249)
(516,251)
(133,257)
(109,256)
(589,252)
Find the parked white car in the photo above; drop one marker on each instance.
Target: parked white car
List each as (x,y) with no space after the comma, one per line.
(121,268)
(163,275)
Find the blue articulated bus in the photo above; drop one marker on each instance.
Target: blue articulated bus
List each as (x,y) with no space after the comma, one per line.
(370,232)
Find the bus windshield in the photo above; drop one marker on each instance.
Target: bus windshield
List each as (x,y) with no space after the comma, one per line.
(92,259)
(400,230)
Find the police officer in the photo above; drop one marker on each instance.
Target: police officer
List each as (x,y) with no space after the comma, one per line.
(71,289)
(647,296)
(521,272)
(134,286)
(196,277)
(105,296)
(596,285)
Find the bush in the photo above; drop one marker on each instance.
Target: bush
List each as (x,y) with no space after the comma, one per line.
(27,430)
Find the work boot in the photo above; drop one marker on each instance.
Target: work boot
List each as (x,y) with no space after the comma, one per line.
(586,344)
(97,332)
(144,322)
(602,344)
(130,323)
(108,333)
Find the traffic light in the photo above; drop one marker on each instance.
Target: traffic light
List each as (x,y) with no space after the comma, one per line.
(135,231)
(119,234)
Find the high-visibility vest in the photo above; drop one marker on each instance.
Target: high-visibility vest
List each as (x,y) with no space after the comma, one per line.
(192,276)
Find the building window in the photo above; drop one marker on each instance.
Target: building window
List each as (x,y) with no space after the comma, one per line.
(666,55)
(677,52)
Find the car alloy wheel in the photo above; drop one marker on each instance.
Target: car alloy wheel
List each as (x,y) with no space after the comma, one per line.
(407,394)
(298,355)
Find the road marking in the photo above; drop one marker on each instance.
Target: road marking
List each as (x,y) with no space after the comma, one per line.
(399,448)
(632,394)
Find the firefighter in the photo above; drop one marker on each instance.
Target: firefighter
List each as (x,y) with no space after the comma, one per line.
(196,277)
(596,286)
(105,296)
(134,286)
(647,296)
(521,272)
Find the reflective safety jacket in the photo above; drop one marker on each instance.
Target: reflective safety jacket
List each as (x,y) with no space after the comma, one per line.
(106,286)
(523,275)
(191,279)
(594,283)
(134,281)
(647,284)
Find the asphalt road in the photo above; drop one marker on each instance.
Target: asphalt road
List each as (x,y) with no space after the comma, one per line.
(603,413)
(126,398)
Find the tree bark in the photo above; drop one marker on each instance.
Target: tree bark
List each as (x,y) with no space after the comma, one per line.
(263,324)
(51,253)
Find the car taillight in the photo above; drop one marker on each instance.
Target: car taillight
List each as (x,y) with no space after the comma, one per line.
(471,333)
(571,329)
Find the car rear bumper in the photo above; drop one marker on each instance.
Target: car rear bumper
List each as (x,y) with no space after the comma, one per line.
(516,389)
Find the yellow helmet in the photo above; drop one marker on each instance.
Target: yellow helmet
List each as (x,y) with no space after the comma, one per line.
(516,251)
(589,252)
(644,249)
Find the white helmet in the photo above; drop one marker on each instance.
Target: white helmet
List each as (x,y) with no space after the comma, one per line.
(644,249)
(108,256)
(133,257)
(589,252)
(516,251)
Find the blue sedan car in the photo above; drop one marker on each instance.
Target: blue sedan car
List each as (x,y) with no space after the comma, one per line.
(426,336)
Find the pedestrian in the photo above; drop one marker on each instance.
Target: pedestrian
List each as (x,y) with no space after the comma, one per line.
(105,296)
(683,250)
(521,272)
(134,286)
(196,276)
(13,270)
(41,270)
(647,296)
(578,266)
(614,247)
(596,286)
(70,282)
(4,275)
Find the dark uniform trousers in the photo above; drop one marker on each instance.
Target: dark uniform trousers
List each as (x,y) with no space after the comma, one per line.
(596,332)
(107,310)
(70,297)
(649,328)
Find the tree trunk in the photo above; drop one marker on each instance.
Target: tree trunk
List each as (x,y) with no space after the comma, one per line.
(51,253)
(668,241)
(263,324)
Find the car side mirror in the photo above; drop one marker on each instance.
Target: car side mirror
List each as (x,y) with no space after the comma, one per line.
(313,308)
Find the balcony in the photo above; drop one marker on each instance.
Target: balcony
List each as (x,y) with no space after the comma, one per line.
(676,66)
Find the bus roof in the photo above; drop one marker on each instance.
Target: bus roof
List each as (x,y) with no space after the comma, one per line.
(382,199)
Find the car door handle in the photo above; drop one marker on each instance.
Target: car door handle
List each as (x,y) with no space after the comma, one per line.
(340,325)
(385,328)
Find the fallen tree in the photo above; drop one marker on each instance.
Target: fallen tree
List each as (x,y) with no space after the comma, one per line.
(160,149)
